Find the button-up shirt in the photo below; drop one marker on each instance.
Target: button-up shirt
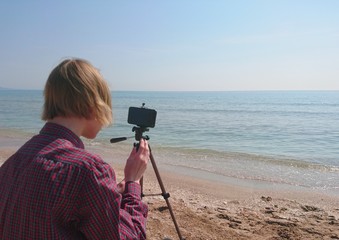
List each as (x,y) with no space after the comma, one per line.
(52,188)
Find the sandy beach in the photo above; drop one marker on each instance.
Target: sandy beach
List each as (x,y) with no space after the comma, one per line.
(210,210)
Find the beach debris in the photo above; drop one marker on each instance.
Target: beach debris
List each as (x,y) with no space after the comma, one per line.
(228,217)
(269,210)
(283,223)
(221,209)
(232,202)
(163,208)
(308,208)
(233,225)
(311,231)
(266,199)
(283,209)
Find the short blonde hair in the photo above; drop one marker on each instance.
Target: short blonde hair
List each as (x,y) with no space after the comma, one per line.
(75,88)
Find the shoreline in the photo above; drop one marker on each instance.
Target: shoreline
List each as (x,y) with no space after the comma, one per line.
(235,168)
(207,209)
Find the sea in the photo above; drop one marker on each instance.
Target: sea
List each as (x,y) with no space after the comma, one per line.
(262,138)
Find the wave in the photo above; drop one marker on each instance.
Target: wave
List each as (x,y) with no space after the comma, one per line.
(223,157)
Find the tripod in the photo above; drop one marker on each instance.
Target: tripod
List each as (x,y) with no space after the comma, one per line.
(139,135)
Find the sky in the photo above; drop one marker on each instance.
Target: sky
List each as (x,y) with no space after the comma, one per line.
(173,45)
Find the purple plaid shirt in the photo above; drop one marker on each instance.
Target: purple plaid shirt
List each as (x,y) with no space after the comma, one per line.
(52,188)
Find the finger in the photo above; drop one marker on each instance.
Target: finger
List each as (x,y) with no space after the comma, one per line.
(144,145)
(133,152)
(135,149)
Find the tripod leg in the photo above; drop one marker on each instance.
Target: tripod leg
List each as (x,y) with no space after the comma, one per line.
(164,193)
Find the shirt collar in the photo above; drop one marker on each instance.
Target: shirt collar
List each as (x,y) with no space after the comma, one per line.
(62,132)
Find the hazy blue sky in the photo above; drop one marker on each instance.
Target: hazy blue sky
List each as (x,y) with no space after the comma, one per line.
(175,45)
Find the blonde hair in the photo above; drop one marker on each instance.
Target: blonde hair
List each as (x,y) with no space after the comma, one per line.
(75,88)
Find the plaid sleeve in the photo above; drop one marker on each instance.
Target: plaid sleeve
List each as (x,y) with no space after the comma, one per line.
(133,208)
(106,214)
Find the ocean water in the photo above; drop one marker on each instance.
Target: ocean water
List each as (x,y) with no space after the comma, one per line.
(273,137)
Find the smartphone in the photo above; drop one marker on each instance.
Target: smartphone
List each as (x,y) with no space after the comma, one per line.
(142,117)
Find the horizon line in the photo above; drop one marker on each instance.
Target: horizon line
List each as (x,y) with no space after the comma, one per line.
(229,90)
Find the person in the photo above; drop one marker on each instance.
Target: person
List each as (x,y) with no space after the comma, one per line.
(52,188)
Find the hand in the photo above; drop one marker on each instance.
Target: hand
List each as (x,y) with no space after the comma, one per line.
(137,162)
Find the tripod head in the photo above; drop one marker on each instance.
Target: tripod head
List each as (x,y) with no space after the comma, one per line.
(139,133)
